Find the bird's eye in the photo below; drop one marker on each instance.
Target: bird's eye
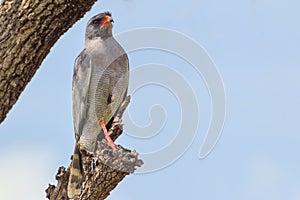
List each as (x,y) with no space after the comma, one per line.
(96,21)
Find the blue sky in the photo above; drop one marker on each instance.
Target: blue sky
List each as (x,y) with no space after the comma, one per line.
(254,45)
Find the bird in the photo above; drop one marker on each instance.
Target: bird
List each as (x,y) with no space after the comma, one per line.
(99,86)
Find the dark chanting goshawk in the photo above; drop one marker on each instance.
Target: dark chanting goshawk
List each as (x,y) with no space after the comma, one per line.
(100,83)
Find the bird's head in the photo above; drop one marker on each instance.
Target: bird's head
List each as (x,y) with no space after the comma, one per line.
(99,26)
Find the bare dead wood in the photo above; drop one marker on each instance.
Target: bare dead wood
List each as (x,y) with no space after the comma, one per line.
(28,30)
(102,171)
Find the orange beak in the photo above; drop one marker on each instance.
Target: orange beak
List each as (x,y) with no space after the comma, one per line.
(107,20)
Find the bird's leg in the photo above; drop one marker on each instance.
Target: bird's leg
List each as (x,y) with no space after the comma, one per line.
(109,140)
(112,96)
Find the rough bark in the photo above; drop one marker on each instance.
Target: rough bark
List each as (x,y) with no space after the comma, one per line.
(102,171)
(28,30)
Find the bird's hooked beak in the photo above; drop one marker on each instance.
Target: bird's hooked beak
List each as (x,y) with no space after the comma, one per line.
(107,20)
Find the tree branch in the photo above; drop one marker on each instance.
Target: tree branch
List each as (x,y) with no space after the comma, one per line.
(102,171)
(28,30)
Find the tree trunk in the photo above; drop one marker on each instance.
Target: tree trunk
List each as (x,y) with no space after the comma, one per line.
(28,30)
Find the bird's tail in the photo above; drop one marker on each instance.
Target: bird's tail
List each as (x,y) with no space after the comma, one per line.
(75,177)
